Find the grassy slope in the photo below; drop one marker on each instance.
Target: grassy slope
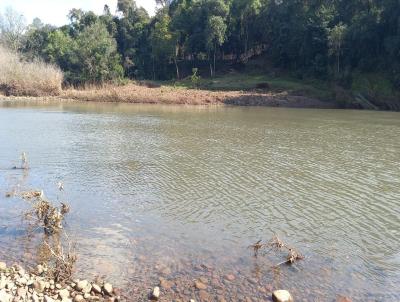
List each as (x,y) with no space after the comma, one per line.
(245,81)
(368,91)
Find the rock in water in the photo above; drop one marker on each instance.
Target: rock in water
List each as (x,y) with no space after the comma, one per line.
(108,289)
(3,266)
(40,269)
(282,296)
(96,289)
(82,284)
(344,299)
(200,285)
(230,277)
(156,293)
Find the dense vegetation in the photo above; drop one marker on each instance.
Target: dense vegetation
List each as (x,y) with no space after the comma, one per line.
(330,40)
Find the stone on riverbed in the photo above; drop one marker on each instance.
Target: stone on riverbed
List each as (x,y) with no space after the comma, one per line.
(3,266)
(96,289)
(282,296)
(64,293)
(166,284)
(200,285)
(156,293)
(4,296)
(230,277)
(40,269)
(48,299)
(40,286)
(80,285)
(344,299)
(108,289)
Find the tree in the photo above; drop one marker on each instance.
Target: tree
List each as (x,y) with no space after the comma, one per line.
(97,53)
(215,30)
(126,7)
(12,29)
(36,39)
(164,3)
(164,42)
(132,36)
(336,38)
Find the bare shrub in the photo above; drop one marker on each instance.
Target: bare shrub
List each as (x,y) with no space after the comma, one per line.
(21,78)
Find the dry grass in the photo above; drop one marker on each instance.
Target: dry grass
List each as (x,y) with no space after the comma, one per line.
(20,78)
(137,93)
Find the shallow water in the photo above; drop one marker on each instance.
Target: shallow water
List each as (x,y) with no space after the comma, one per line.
(159,191)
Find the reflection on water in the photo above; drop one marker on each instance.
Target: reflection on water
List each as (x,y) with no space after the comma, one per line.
(161,190)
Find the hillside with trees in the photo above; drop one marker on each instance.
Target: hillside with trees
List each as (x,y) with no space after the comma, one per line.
(353,47)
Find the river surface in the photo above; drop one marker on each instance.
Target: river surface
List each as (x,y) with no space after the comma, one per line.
(181,192)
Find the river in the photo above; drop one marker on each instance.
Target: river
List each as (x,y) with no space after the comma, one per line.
(181,192)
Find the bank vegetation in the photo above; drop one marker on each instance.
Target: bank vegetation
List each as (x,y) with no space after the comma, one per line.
(23,78)
(349,50)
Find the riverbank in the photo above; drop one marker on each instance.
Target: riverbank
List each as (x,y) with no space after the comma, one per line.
(157,94)
(18,284)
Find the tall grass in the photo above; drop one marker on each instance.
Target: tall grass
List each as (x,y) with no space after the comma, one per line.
(21,78)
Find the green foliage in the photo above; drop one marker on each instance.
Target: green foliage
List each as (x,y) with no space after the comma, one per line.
(195,78)
(329,40)
(97,55)
(90,57)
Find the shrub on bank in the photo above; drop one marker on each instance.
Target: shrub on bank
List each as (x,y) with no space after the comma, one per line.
(21,78)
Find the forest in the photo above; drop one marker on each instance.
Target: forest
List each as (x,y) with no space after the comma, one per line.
(333,41)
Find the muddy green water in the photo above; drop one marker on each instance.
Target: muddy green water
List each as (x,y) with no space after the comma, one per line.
(159,191)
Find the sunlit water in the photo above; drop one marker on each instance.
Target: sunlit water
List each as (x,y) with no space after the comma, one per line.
(158,191)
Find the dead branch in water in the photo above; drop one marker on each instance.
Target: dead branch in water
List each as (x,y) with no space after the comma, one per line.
(61,261)
(24,162)
(275,243)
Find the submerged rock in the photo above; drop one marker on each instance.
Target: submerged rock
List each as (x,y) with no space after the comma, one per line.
(200,285)
(230,277)
(166,284)
(282,296)
(344,299)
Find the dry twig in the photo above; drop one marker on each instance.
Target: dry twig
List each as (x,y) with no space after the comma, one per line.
(277,244)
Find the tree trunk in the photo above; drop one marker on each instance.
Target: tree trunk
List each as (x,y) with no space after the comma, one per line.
(211,68)
(154,71)
(214,59)
(177,69)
